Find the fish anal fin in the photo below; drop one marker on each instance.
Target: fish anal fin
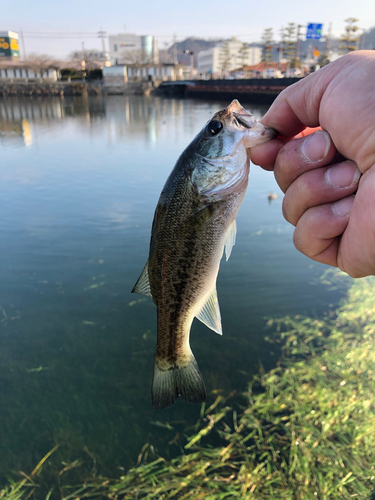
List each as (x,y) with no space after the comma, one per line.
(210,313)
(230,239)
(143,284)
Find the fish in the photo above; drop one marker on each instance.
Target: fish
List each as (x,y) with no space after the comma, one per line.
(194,221)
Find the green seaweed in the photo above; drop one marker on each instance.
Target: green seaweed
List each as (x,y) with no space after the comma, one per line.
(304,430)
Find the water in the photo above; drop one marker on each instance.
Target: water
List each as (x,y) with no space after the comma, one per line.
(80,180)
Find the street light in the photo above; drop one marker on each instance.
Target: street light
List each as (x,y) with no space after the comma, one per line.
(191,61)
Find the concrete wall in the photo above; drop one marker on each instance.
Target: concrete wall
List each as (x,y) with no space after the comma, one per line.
(24,72)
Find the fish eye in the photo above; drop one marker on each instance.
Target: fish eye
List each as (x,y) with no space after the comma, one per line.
(214,127)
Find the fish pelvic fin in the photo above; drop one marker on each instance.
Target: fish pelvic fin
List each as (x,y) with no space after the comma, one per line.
(174,379)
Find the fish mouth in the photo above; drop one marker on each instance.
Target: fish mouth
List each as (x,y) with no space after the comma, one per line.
(242,115)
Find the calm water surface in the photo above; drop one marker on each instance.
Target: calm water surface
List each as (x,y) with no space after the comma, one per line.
(80,180)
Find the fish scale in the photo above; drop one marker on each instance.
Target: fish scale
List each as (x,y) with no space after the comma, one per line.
(194,220)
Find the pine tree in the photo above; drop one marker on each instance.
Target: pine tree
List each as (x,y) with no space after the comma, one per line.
(243,54)
(349,39)
(224,57)
(267,41)
(289,43)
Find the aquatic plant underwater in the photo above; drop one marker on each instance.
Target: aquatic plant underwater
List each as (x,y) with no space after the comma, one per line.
(304,430)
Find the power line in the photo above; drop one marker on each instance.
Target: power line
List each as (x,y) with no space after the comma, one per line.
(64,35)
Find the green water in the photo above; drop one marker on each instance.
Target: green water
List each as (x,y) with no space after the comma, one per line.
(79,183)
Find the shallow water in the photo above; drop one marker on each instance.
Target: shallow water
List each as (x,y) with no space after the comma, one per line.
(80,179)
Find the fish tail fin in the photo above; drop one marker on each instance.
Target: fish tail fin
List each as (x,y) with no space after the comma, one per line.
(177,378)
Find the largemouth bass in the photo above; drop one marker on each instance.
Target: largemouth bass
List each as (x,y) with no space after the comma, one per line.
(195,219)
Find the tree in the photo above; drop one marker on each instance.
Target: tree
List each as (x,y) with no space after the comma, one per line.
(135,57)
(350,38)
(225,57)
(243,53)
(87,58)
(289,43)
(41,62)
(267,41)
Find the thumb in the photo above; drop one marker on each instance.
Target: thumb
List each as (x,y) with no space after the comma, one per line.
(299,105)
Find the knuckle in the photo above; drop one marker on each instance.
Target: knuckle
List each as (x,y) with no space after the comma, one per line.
(287,163)
(297,241)
(287,209)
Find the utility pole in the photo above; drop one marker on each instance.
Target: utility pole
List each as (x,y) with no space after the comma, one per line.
(101,34)
(191,52)
(83,63)
(363,38)
(328,41)
(23,46)
(281,47)
(175,49)
(297,43)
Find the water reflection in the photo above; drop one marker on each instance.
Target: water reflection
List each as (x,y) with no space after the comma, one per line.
(117,118)
(80,179)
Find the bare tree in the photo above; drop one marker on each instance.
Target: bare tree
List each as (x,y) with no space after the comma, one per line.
(136,57)
(87,58)
(41,62)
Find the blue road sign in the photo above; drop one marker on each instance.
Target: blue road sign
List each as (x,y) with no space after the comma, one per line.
(314,31)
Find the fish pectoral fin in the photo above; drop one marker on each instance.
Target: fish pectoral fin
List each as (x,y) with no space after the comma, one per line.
(143,284)
(230,239)
(210,313)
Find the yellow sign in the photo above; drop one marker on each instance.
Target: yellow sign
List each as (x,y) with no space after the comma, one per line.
(316,54)
(14,44)
(9,47)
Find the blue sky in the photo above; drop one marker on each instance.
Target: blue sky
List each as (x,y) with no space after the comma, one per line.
(163,18)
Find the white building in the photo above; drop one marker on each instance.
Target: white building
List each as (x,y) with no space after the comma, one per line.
(122,73)
(21,71)
(210,61)
(130,48)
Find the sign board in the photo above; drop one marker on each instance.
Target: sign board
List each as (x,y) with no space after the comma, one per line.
(9,47)
(314,31)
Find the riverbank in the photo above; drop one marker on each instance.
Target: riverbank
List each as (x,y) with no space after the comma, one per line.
(14,89)
(306,429)
(257,89)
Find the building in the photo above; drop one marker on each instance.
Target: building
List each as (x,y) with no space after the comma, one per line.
(124,73)
(128,48)
(210,62)
(17,71)
(9,48)
(270,69)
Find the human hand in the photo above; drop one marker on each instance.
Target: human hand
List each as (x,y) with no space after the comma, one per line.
(320,173)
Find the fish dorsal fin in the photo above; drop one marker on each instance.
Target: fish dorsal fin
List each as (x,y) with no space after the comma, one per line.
(210,313)
(143,284)
(230,239)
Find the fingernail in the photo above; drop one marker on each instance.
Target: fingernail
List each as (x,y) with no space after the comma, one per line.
(343,207)
(344,175)
(316,146)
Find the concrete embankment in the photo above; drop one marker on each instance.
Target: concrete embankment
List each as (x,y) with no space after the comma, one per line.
(72,88)
(48,89)
(261,90)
